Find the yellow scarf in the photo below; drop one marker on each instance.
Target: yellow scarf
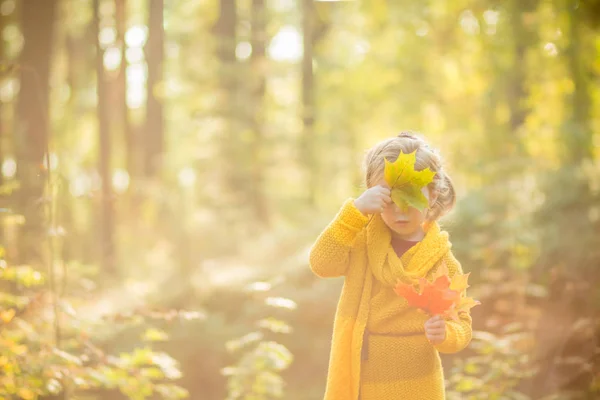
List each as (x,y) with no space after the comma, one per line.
(423,256)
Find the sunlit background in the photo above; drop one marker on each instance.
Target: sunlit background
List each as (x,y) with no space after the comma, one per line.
(166,166)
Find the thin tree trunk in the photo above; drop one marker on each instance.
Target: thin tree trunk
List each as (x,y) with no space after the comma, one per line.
(80,69)
(32,115)
(508,84)
(65,205)
(257,99)
(225,30)
(2,128)
(3,136)
(154,108)
(578,132)
(523,37)
(107,252)
(308,118)
(121,87)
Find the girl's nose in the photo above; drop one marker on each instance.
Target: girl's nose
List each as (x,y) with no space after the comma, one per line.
(397,210)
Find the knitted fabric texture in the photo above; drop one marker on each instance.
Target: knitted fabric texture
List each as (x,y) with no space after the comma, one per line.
(406,367)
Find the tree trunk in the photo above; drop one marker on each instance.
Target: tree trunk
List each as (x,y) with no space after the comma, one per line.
(225,31)
(154,118)
(508,85)
(121,88)
(524,37)
(308,118)
(107,253)
(257,101)
(2,128)
(578,132)
(33,122)
(65,202)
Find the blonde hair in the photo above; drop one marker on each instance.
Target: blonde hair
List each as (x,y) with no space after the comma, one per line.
(426,156)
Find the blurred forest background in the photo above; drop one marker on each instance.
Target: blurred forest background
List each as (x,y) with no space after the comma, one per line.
(166,166)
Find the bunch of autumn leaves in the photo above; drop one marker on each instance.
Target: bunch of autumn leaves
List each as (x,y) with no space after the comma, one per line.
(443,295)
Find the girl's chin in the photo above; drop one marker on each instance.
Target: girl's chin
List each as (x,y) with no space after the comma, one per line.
(405,231)
(405,228)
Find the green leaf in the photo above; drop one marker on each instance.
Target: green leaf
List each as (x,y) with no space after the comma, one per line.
(172,392)
(409,196)
(236,344)
(274,325)
(466,384)
(139,357)
(167,365)
(472,368)
(155,335)
(152,373)
(279,357)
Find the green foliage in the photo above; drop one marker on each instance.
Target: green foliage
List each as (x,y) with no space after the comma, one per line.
(40,358)
(257,373)
(501,362)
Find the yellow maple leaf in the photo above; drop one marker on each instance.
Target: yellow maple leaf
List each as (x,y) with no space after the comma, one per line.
(466,303)
(406,183)
(460,282)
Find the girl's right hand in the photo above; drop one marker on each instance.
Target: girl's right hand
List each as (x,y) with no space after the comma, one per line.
(373,200)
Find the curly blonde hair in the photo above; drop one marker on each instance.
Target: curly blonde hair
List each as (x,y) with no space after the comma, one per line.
(426,156)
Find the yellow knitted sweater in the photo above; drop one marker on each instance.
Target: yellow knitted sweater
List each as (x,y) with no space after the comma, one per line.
(400,363)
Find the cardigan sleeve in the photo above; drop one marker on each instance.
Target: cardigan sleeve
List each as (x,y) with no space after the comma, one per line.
(458,333)
(330,254)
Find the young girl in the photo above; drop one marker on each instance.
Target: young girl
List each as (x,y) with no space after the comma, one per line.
(382,348)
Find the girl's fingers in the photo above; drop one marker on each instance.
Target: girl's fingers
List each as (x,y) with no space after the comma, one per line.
(436,326)
(383,195)
(385,190)
(436,329)
(436,335)
(435,339)
(440,324)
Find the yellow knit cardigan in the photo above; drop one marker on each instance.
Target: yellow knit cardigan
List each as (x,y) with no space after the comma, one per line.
(366,259)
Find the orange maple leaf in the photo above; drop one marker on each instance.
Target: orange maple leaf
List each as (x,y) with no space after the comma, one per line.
(414,298)
(442,296)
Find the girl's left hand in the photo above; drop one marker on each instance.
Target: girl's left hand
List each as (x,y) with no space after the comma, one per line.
(435,329)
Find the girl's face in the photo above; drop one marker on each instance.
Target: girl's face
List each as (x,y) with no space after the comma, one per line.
(406,225)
